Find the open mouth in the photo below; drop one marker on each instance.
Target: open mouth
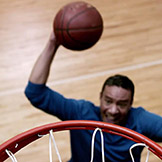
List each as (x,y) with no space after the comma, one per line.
(111,119)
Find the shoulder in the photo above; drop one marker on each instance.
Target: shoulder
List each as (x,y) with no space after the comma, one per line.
(144,122)
(142,114)
(137,111)
(135,118)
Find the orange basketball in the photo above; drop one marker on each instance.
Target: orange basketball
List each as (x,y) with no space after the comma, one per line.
(78,26)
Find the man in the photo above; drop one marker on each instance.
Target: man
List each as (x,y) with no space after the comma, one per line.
(116,100)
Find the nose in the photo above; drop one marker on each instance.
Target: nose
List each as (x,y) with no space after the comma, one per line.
(113,110)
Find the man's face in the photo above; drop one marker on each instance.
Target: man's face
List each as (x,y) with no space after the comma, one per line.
(115,103)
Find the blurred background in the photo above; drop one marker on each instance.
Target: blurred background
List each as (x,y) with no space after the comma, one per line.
(130,45)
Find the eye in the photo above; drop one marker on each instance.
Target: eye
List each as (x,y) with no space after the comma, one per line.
(108,101)
(122,104)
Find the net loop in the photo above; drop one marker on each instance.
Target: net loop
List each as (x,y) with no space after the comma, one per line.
(51,138)
(102,144)
(139,144)
(11,155)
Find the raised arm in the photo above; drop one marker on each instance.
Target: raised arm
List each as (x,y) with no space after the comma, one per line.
(40,71)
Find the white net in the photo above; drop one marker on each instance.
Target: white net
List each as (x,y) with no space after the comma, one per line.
(52,139)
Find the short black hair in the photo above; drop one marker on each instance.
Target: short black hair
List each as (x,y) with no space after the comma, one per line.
(120,81)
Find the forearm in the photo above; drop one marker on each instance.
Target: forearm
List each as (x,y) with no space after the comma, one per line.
(41,69)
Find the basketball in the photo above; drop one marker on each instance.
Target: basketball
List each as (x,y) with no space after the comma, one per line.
(78,26)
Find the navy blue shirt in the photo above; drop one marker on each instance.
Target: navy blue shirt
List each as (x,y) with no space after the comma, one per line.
(116,147)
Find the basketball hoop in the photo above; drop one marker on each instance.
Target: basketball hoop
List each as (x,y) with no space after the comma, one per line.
(16,143)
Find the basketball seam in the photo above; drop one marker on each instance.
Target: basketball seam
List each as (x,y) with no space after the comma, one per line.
(75,17)
(88,28)
(86,10)
(62,30)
